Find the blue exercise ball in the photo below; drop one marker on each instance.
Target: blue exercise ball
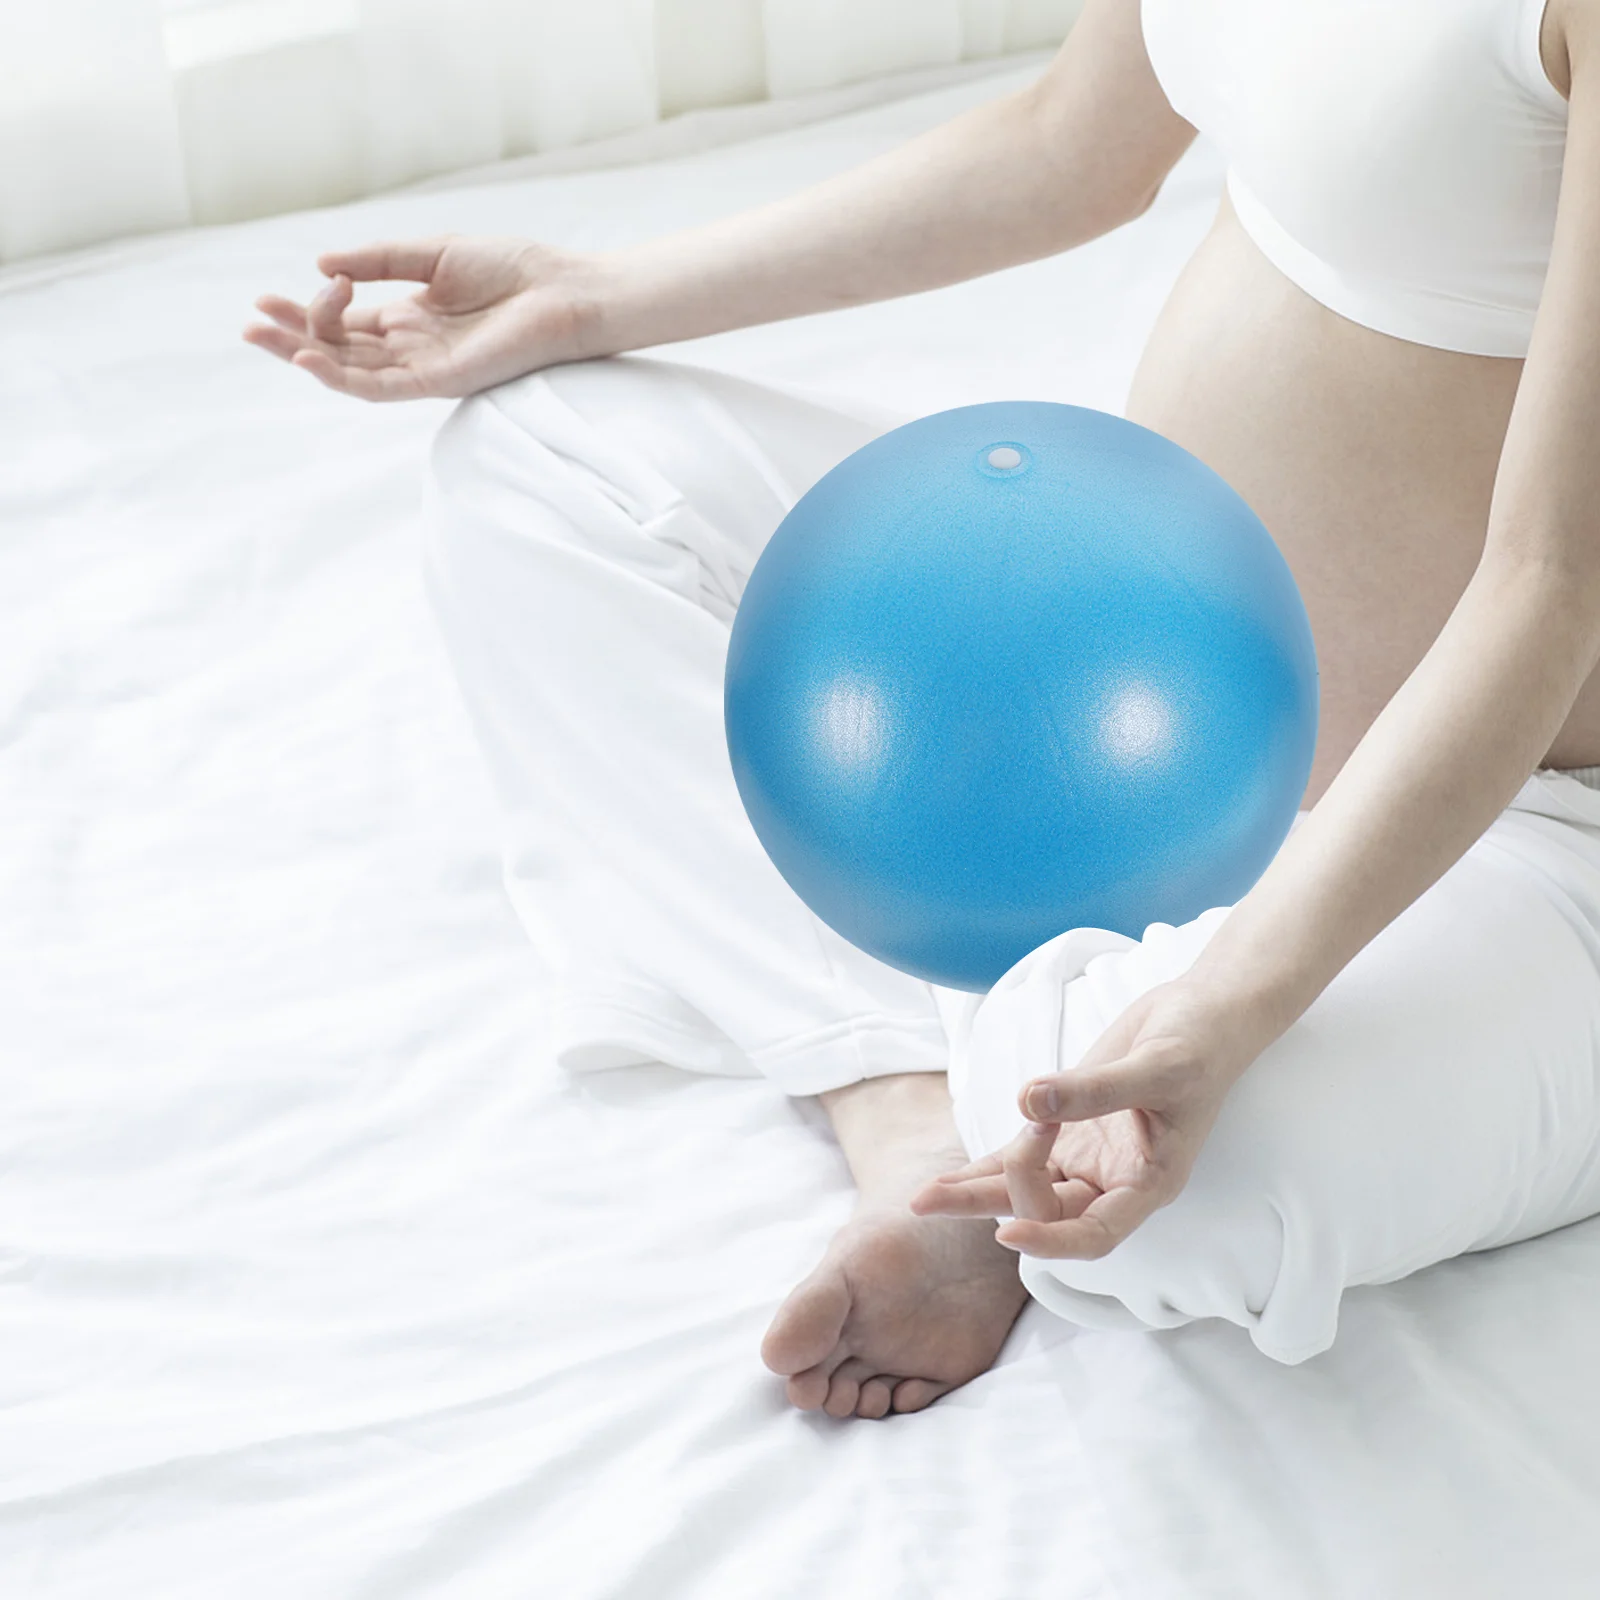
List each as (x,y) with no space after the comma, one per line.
(1013,669)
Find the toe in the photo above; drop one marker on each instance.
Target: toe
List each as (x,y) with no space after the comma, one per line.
(809,1389)
(912,1394)
(844,1387)
(877,1395)
(843,1393)
(808,1324)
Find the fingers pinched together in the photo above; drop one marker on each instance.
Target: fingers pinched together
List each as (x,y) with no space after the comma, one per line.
(1107,1143)
(339,344)
(361,351)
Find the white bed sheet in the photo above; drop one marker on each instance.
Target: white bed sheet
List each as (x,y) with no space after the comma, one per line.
(316,1280)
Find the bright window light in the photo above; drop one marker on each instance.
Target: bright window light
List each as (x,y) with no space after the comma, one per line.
(203,30)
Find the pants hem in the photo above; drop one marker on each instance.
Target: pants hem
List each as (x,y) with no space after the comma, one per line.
(592,1029)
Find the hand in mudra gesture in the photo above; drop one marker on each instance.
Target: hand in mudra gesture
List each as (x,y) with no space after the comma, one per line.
(1112,1140)
(489,310)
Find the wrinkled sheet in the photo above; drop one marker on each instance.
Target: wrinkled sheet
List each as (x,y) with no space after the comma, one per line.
(317,1280)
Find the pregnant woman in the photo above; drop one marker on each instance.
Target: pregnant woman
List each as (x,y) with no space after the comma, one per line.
(1389,344)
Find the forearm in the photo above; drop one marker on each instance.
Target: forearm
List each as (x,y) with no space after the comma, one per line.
(1077,152)
(1010,181)
(1487,701)
(1444,758)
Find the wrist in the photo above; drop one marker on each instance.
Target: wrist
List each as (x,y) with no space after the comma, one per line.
(583,288)
(1253,1003)
(634,299)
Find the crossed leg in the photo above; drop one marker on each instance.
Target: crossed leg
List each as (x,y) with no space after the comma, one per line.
(590,533)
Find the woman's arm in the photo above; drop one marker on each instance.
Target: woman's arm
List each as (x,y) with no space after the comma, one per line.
(1464,731)
(1072,156)
(1444,758)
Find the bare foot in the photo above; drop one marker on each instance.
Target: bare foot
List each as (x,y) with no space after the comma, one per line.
(902,1308)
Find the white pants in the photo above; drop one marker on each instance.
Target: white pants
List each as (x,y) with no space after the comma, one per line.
(590,532)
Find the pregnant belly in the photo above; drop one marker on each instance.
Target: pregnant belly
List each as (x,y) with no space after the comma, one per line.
(1371,460)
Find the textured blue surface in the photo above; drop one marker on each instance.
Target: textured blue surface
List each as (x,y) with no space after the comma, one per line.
(971,707)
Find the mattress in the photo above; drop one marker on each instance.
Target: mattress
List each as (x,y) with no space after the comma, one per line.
(317,1280)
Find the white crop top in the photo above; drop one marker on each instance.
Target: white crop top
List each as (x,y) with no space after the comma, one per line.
(1398,159)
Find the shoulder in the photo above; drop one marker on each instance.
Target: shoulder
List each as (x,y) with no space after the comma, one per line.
(1569,40)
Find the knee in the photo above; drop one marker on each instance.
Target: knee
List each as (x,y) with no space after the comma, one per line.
(1050,1008)
(1272,1226)
(1239,1243)
(487,438)
(486,530)
(458,443)
(518,462)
